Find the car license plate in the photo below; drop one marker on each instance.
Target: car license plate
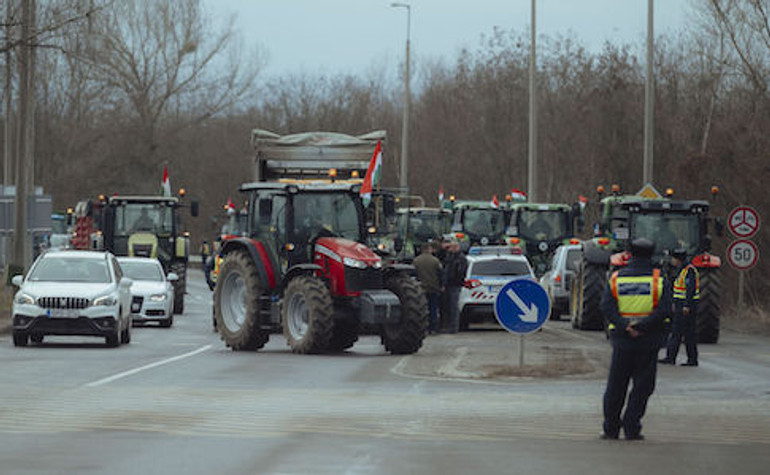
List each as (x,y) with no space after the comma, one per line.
(63,313)
(494,289)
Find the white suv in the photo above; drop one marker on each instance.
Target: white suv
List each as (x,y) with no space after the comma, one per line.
(560,278)
(489,269)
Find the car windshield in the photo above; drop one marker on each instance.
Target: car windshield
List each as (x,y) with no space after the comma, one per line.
(137,270)
(543,225)
(667,230)
(484,222)
(70,269)
(505,267)
(333,212)
(155,218)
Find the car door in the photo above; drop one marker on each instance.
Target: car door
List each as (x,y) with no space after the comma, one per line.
(124,291)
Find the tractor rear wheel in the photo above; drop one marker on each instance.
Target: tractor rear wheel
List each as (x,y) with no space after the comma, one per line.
(406,336)
(707,317)
(591,282)
(180,286)
(236,303)
(307,315)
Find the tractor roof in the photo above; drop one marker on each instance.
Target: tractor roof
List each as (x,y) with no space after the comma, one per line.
(540,206)
(666,205)
(125,199)
(302,185)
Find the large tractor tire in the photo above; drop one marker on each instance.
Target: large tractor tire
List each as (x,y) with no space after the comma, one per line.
(591,283)
(307,315)
(406,336)
(709,307)
(236,303)
(344,334)
(180,286)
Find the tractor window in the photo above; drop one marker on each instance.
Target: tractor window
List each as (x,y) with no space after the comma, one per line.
(542,225)
(484,222)
(667,230)
(325,213)
(153,218)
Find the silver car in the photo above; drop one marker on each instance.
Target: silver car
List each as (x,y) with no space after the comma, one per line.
(152,292)
(72,293)
(559,280)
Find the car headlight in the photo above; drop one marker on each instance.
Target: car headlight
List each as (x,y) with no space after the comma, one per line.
(350,262)
(106,301)
(158,298)
(24,299)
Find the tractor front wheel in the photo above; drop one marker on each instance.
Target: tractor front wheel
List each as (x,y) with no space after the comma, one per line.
(406,336)
(307,315)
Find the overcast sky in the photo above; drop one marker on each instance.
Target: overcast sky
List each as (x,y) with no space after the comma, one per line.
(353,36)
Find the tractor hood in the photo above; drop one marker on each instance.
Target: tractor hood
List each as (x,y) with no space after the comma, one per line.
(339,249)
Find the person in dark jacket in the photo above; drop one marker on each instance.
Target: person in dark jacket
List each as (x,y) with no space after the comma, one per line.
(454,277)
(685,297)
(635,303)
(428,269)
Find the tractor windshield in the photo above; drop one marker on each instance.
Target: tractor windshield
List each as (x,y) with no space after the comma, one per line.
(334,213)
(543,225)
(667,230)
(154,218)
(425,226)
(484,222)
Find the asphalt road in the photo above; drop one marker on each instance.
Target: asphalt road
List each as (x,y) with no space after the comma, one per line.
(177,401)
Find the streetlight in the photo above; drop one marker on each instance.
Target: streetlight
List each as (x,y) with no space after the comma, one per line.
(407,99)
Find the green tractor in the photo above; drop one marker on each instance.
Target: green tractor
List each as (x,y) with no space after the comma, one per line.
(149,226)
(477,223)
(421,225)
(669,224)
(537,229)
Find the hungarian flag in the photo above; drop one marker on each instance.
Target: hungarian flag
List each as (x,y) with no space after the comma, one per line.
(373,174)
(230,205)
(517,194)
(494,201)
(441,193)
(165,185)
(583,201)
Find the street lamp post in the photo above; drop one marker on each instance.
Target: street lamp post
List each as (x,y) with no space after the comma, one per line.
(407,100)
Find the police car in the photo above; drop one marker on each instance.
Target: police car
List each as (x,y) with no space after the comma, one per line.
(489,269)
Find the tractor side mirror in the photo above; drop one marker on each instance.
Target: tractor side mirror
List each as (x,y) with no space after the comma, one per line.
(719,227)
(389,206)
(398,244)
(265,210)
(194,208)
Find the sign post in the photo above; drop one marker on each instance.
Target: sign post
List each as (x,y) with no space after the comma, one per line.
(743,254)
(522,306)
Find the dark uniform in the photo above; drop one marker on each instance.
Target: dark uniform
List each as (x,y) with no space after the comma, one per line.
(635,305)
(685,305)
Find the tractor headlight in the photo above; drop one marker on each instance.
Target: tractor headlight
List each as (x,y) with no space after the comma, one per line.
(105,301)
(377,264)
(158,298)
(24,299)
(350,262)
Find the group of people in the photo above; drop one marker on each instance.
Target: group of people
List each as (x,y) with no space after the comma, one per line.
(441,268)
(638,304)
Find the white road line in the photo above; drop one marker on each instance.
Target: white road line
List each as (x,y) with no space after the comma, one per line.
(130,372)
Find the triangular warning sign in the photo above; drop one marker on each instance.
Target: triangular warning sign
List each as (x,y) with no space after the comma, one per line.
(649,191)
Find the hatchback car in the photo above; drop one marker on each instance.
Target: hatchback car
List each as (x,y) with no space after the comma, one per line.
(72,293)
(559,279)
(489,269)
(152,294)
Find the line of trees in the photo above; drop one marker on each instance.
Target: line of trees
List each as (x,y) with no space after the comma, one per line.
(126,87)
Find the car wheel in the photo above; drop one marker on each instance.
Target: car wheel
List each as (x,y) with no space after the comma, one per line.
(36,338)
(20,338)
(112,340)
(125,335)
(167,322)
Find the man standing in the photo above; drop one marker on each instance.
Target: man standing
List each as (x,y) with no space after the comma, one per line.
(685,302)
(454,277)
(429,274)
(635,304)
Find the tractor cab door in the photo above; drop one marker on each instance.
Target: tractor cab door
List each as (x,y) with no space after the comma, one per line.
(269,227)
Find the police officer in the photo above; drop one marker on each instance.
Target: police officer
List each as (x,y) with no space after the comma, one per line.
(685,302)
(635,304)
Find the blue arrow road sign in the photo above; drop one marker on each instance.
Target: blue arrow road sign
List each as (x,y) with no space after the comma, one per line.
(522,306)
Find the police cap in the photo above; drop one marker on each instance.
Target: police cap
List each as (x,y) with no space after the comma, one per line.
(642,247)
(679,253)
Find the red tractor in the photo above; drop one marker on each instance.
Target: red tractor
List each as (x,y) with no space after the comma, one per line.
(302,268)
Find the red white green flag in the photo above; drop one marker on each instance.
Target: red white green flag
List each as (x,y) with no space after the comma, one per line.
(373,174)
(494,202)
(165,184)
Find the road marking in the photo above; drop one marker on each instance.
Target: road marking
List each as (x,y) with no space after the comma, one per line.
(130,372)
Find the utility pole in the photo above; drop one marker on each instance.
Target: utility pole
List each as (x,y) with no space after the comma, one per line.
(532,157)
(18,259)
(404,182)
(8,168)
(649,101)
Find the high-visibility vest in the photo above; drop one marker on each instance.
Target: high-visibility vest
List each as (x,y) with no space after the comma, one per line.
(680,284)
(637,296)
(217,263)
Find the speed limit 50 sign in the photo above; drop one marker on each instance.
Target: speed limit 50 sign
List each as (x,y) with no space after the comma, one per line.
(743,254)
